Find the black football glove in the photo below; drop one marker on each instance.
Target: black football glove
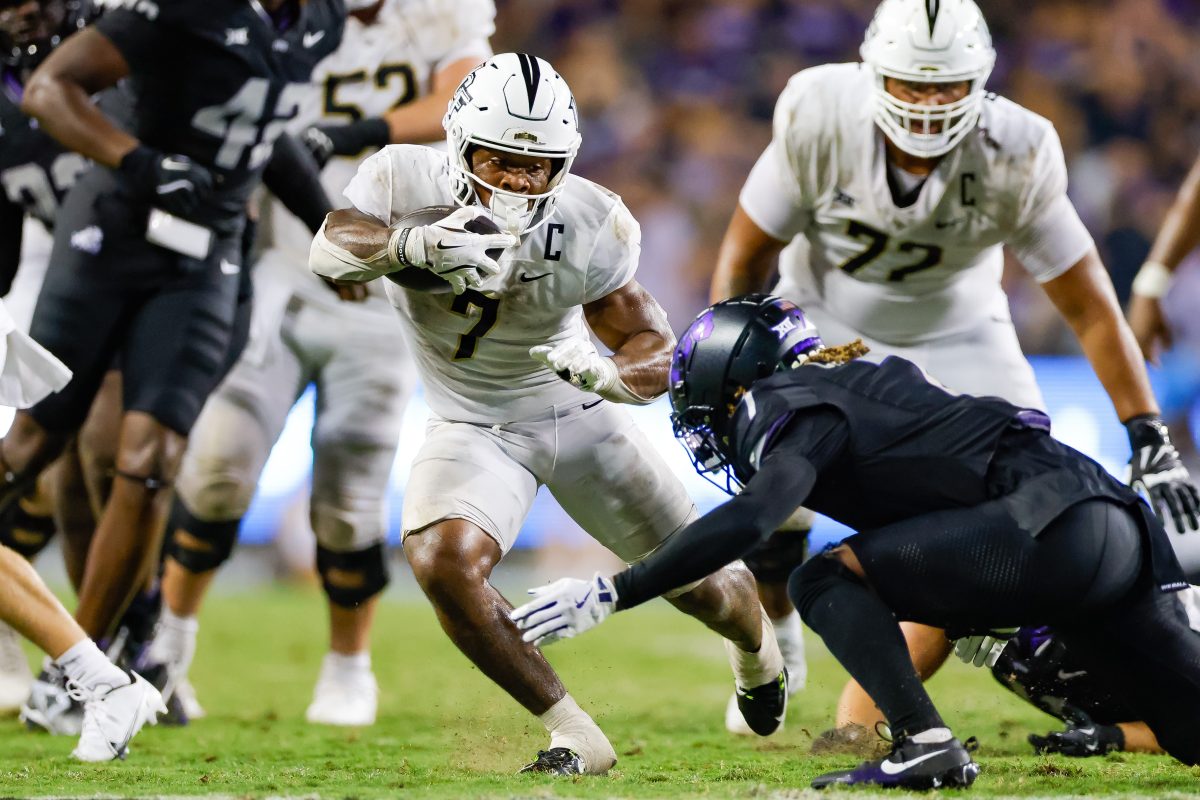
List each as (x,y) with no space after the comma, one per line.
(174,183)
(327,141)
(1158,474)
(1081,739)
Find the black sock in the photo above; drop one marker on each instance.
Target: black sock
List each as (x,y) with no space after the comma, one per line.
(863,634)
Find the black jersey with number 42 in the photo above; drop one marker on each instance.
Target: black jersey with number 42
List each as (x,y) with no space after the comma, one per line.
(218,80)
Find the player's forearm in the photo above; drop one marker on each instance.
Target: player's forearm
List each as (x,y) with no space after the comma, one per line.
(721,536)
(644,361)
(1113,352)
(745,261)
(65,111)
(419,121)
(293,176)
(1180,232)
(355,232)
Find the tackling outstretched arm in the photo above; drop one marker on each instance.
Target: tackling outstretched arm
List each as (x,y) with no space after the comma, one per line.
(789,471)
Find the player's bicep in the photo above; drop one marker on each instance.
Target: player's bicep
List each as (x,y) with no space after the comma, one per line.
(625,313)
(89,60)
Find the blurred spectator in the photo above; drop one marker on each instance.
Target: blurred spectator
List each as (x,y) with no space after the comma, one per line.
(676,99)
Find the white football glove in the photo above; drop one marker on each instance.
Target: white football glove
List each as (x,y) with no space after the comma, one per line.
(449,250)
(577,362)
(565,608)
(983,651)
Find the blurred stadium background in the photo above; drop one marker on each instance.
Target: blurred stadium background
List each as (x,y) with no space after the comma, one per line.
(676,99)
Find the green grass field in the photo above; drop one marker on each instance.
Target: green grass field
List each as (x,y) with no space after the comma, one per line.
(655,680)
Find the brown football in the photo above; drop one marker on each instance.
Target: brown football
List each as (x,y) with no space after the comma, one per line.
(422,280)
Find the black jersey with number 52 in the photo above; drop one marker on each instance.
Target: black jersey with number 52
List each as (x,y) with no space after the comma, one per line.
(218,80)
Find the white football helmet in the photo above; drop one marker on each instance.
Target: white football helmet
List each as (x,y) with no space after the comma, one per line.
(516,103)
(928,41)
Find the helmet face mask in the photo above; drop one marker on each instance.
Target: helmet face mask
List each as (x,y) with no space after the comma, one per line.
(514,103)
(928,41)
(716,361)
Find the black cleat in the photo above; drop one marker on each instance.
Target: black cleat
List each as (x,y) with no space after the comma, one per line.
(910,765)
(764,707)
(555,761)
(1080,740)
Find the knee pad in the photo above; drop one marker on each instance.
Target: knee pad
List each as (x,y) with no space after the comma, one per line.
(24,532)
(812,578)
(353,577)
(773,560)
(217,537)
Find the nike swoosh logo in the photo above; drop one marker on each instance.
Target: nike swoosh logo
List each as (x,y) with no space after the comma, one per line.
(1066,676)
(530,278)
(894,768)
(581,603)
(312,38)
(441,246)
(174,186)
(592,404)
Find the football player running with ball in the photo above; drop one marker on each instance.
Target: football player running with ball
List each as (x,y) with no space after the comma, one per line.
(897,181)
(980,520)
(519,394)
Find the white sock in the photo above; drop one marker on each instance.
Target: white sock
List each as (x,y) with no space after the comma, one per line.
(932,736)
(174,638)
(763,665)
(85,665)
(571,727)
(355,662)
(790,636)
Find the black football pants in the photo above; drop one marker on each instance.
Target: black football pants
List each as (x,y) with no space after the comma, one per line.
(975,569)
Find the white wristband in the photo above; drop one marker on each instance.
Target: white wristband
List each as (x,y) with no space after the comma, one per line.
(1153,280)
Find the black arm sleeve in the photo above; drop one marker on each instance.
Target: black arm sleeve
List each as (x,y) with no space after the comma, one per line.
(789,470)
(293,176)
(12,217)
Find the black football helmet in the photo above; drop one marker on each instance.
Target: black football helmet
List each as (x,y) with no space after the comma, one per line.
(722,353)
(30,29)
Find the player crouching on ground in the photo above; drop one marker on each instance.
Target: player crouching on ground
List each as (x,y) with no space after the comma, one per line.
(977,520)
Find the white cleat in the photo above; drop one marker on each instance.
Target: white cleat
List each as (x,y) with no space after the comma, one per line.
(185,693)
(50,707)
(113,717)
(344,696)
(16,679)
(735,723)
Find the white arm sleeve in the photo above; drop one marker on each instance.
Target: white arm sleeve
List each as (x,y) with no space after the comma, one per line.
(1049,238)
